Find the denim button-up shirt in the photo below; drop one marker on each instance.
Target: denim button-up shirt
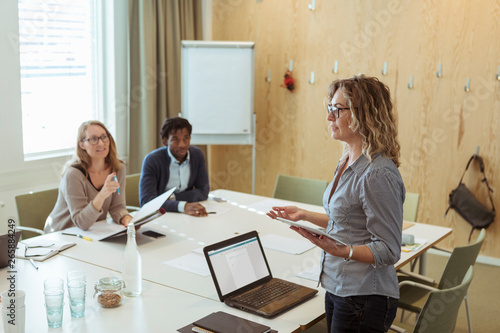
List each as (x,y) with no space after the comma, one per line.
(366,209)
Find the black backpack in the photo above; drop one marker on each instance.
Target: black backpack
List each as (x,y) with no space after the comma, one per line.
(466,204)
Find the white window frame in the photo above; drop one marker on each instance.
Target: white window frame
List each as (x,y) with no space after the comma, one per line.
(112,76)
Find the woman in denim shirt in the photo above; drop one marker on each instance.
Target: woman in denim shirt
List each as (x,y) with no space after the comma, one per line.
(364,209)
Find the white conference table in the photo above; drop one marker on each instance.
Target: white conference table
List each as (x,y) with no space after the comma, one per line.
(234,216)
(158,309)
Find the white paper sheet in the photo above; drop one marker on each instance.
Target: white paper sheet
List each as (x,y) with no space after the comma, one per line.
(265,206)
(98,231)
(191,262)
(312,273)
(285,244)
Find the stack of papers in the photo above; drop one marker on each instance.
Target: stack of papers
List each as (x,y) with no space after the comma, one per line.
(419,242)
(285,244)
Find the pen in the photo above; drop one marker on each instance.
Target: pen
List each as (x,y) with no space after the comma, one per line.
(82,237)
(33,263)
(116,180)
(211,212)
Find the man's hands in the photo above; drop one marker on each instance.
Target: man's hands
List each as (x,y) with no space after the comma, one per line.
(195,209)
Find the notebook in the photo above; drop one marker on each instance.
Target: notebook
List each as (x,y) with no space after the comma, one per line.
(147,213)
(222,322)
(243,279)
(8,245)
(41,248)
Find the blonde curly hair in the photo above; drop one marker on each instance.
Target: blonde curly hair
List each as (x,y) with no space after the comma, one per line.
(372,114)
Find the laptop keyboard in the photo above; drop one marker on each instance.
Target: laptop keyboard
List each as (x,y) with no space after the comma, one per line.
(266,294)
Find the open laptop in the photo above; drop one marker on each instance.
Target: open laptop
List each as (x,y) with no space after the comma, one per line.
(240,270)
(8,245)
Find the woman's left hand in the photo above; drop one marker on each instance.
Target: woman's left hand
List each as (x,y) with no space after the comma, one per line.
(325,243)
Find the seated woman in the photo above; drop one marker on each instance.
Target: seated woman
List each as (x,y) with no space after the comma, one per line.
(90,186)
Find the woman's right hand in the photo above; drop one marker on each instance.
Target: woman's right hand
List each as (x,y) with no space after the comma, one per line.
(292,213)
(110,186)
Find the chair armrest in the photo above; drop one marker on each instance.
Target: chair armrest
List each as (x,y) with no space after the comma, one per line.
(418,285)
(397,329)
(38,231)
(132,208)
(423,278)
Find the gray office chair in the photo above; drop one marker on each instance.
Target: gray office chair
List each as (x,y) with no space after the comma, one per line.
(298,189)
(132,191)
(412,298)
(440,310)
(33,209)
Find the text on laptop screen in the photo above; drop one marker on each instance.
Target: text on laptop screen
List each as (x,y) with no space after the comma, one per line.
(238,265)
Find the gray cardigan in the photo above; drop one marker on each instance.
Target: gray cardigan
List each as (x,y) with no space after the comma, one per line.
(74,203)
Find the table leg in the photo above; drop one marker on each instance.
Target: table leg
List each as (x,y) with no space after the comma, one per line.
(423,263)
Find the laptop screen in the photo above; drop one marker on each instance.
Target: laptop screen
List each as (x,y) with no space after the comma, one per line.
(238,265)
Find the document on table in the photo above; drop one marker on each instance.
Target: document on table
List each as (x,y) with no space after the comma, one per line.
(312,273)
(286,244)
(98,231)
(190,262)
(419,242)
(213,207)
(265,206)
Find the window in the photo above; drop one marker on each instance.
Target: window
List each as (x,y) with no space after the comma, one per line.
(59,59)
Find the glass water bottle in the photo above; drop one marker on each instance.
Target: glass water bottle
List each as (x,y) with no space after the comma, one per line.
(132,265)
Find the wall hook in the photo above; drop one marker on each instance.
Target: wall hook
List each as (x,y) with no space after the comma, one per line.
(384,71)
(312,5)
(311,80)
(290,67)
(467,86)
(268,78)
(498,74)
(439,73)
(410,85)
(335,68)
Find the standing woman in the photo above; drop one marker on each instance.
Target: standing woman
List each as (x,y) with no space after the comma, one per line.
(364,209)
(90,186)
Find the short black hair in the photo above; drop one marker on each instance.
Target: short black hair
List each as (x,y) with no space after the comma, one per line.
(173,125)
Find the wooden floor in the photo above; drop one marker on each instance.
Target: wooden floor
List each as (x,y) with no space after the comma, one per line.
(484,295)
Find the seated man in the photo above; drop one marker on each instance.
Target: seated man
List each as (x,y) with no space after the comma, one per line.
(177,165)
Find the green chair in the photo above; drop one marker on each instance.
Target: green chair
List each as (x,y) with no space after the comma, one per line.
(410,210)
(440,310)
(298,189)
(33,209)
(413,298)
(410,206)
(132,191)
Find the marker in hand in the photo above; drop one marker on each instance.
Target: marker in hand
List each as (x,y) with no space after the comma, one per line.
(116,180)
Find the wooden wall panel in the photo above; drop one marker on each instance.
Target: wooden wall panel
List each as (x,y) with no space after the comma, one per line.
(440,125)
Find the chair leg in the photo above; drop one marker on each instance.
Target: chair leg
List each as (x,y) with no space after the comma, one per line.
(402,315)
(469,320)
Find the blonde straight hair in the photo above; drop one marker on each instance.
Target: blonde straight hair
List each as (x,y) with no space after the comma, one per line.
(82,159)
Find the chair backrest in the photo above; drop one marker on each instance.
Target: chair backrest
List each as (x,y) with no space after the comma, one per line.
(132,190)
(34,208)
(461,258)
(410,206)
(300,189)
(440,311)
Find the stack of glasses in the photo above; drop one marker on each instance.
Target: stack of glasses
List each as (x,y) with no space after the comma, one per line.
(54,297)
(76,293)
(54,301)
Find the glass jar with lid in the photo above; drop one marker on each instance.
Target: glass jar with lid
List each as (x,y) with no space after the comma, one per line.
(109,292)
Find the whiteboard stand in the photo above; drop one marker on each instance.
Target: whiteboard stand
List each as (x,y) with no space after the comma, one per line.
(234,139)
(217,93)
